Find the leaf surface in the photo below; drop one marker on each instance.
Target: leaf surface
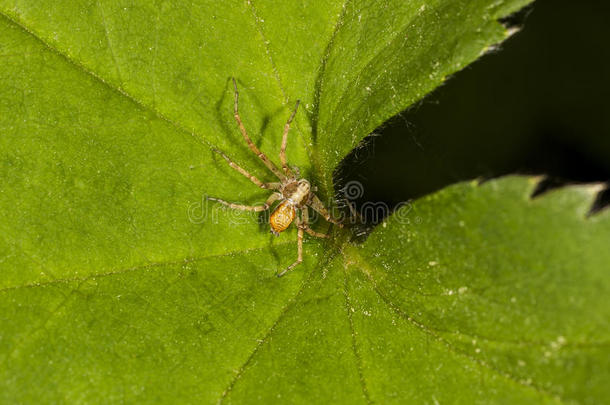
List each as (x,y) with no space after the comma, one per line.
(503,294)
(120,282)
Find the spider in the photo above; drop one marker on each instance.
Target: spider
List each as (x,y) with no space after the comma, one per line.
(295,194)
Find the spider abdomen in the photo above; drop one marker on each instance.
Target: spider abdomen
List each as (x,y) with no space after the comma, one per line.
(282,217)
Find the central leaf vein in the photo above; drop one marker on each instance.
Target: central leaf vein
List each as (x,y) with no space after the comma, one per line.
(358,358)
(79,66)
(94,276)
(261,342)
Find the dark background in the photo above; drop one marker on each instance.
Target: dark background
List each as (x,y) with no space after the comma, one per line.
(540,104)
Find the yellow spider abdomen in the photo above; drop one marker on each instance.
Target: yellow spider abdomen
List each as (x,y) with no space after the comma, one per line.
(282,217)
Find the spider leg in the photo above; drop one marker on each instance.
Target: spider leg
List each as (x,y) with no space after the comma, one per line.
(253,179)
(354,214)
(318,206)
(305,213)
(256,208)
(270,165)
(298,173)
(299,249)
(285,140)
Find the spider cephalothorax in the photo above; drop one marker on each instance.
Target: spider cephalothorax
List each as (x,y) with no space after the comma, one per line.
(296,195)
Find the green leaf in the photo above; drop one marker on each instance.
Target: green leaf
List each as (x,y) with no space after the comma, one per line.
(353,64)
(482,287)
(454,299)
(120,282)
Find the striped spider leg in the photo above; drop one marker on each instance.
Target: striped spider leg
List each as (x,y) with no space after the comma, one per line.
(295,194)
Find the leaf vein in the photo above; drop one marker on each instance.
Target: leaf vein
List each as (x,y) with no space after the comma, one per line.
(348,310)
(109,42)
(259,29)
(240,371)
(137,268)
(523,343)
(276,73)
(82,68)
(320,80)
